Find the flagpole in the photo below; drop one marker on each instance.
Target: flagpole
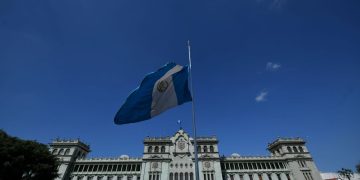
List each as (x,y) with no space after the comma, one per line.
(197,177)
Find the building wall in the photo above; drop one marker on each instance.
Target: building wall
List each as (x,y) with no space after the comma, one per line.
(172,158)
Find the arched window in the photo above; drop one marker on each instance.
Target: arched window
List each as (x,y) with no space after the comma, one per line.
(162,149)
(149,149)
(156,150)
(301,149)
(191,176)
(61,152)
(295,149)
(186,176)
(205,148)
(67,151)
(199,148)
(55,151)
(176,176)
(181,176)
(171,176)
(289,149)
(211,148)
(269,176)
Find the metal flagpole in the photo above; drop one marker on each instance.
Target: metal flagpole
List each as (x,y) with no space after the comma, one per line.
(197,177)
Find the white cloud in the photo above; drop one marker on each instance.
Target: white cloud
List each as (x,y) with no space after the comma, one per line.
(261,96)
(272,66)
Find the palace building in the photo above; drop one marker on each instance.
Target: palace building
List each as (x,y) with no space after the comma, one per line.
(172,158)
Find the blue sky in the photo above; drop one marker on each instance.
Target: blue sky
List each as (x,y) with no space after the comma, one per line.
(262,69)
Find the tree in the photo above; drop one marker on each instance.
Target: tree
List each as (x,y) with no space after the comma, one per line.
(358,168)
(345,173)
(22,159)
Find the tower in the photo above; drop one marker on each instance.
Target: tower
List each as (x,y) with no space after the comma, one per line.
(298,158)
(67,151)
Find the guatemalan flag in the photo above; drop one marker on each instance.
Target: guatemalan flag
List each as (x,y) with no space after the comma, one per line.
(159,91)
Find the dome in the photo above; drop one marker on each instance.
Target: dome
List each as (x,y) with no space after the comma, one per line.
(235,155)
(124,156)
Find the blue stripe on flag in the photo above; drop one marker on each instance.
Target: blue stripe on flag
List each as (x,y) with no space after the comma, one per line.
(180,80)
(137,106)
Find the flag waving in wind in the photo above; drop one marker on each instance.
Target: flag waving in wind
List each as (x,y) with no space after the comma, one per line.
(158,91)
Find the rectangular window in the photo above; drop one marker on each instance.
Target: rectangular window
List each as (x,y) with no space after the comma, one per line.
(227,166)
(114,168)
(118,167)
(100,167)
(204,176)
(86,168)
(241,166)
(263,166)
(123,167)
(258,165)
(250,166)
(254,165)
(81,168)
(212,176)
(90,167)
(310,177)
(95,168)
(306,178)
(76,168)
(138,167)
(222,166)
(277,165)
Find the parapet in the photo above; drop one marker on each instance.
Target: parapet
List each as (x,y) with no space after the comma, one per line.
(69,142)
(278,141)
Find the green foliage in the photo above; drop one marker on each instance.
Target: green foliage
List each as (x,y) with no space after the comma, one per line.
(21,159)
(358,168)
(345,173)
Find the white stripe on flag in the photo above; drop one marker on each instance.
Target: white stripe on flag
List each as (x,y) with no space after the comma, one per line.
(166,99)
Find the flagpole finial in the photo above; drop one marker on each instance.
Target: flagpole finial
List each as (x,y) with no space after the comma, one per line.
(179,122)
